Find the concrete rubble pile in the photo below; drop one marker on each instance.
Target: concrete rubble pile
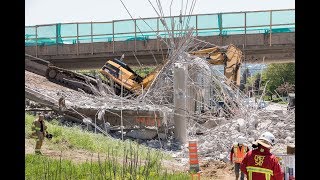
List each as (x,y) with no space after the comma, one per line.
(217,134)
(216,142)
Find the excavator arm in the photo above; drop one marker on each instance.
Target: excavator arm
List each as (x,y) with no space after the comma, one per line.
(230,56)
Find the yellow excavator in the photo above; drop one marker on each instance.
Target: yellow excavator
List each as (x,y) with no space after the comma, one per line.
(120,74)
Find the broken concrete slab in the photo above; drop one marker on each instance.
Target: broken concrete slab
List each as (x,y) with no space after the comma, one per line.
(241,124)
(144,134)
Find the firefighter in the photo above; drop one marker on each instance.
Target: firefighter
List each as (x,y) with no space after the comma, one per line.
(259,163)
(61,102)
(238,151)
(39,132)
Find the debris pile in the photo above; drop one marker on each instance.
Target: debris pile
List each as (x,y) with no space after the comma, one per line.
(215,143)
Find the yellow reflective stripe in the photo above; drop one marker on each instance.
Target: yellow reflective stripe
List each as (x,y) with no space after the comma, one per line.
(260,170)
(249,175)
(267,176)
(265,171)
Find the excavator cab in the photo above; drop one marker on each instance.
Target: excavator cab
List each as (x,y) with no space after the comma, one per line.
(112,67)
(120,74)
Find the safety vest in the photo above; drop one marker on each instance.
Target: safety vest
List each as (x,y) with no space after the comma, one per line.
(238,154)
(268,173)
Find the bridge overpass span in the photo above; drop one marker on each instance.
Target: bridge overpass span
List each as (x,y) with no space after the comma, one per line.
(257,46)
(269,34)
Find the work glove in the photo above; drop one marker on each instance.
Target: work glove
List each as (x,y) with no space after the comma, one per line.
(254,146)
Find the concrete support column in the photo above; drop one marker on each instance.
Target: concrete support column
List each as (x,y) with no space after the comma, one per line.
(180,102)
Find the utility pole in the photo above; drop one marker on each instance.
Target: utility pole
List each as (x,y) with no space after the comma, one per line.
(121,96)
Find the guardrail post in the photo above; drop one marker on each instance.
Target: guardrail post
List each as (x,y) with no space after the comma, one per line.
(197,26)
(158,42)
(135,35)
(220,23)
(113,36)
(57,50)
(270,28)
(36,41)
(77,38)
(91,39)
(245,29)
(220,27)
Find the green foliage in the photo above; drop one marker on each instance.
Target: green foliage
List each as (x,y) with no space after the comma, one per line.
(257,82)
(285,88)
(28,123)
(276,100)
(75,137)
(277,74)
(250,81)
(266,98)
(281,102)
(122,159)
(41,167)
(143,71)
(91,72)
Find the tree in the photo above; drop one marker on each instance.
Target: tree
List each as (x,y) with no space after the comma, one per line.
(253,83)
(245,76)
(257,82)
(277,74)
(285,89)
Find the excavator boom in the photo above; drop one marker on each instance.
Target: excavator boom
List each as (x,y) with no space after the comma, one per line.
(229,56)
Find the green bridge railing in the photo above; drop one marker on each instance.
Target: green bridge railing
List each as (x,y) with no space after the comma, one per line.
(223,24)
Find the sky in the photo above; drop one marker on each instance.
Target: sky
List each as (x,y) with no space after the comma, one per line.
(64,11)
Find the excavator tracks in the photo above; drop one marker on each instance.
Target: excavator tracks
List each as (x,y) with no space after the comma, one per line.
(62,76)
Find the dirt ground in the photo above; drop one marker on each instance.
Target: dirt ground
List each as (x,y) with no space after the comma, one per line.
(215,170)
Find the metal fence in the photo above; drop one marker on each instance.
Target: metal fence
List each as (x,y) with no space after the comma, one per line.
(222,24)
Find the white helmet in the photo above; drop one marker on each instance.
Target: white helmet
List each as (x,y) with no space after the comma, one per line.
(269,137)
(241,140)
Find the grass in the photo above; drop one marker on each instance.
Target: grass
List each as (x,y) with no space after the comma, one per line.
(143,71)
(41,167)
(91,72)
(75,137)
(281,102)
(123,160)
